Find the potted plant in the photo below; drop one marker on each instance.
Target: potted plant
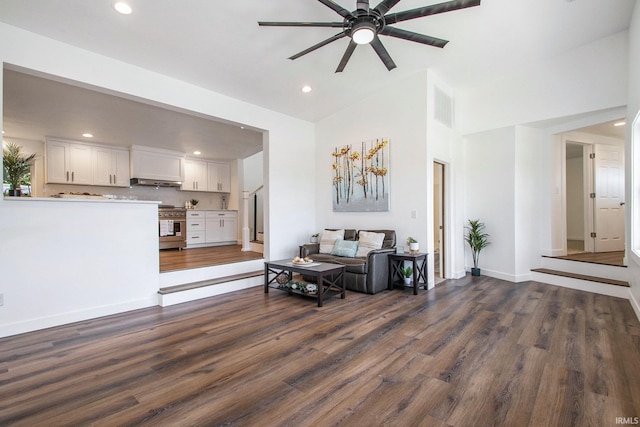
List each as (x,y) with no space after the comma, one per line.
(16,167)
(194,203)
(314,238)
(407,272)
(414,246)
(477,240)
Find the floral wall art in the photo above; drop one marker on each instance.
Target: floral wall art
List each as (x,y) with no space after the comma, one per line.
(361,177)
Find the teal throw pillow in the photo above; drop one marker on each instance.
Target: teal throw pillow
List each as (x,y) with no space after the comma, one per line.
(345,248)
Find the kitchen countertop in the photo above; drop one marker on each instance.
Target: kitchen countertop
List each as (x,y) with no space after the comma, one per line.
(69,199)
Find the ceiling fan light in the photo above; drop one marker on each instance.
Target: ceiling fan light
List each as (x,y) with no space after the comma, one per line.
(363,34)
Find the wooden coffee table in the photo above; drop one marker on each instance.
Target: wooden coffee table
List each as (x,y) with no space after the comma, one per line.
(328,277)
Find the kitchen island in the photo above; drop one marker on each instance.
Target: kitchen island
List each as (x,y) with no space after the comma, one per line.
(75,259)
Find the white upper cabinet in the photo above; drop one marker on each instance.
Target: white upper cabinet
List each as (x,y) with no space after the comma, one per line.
(157,164)
(68,162)
(110,167)
(204,175)
(195,176)
(219,177)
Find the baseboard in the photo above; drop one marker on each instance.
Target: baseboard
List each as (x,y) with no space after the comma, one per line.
(75,316)
(634,304)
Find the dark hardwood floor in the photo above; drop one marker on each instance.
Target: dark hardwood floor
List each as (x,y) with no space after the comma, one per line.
(471,352)
(174,259)
(606,258)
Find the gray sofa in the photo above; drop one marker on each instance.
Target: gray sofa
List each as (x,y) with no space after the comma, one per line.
(362,274)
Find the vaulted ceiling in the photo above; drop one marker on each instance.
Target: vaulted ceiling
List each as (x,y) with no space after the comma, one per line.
(219,46)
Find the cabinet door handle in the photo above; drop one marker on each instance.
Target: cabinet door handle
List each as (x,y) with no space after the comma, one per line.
(67,176)
(110,179)
(73,176)
(114,179)
(194,224)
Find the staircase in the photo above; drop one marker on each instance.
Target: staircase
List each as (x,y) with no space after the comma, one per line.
(188,285)
(598,278)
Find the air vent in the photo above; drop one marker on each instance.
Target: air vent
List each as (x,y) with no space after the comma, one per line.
(443,108)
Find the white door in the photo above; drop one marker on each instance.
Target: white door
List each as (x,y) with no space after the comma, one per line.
(609,196)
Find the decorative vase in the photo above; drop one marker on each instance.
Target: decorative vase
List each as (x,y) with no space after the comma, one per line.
(15,193)
(414,247)
(475,271)
(314,239)
(407,281)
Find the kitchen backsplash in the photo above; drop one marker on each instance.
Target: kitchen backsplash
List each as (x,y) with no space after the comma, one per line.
(168,196)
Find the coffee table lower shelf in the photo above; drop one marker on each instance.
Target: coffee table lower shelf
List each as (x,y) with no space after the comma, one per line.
(329,278)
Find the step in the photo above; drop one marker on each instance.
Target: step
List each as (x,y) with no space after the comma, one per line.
(585,268)
(196,283)
(205,283)
(599,285)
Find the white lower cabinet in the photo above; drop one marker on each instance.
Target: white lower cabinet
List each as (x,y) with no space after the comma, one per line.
(211,228)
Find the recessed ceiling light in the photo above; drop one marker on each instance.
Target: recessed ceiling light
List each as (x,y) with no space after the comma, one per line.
(123,8)
(87,135)
(197,153)
(620,123)
(306,89)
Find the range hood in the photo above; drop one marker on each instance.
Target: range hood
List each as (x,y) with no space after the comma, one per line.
(155,182)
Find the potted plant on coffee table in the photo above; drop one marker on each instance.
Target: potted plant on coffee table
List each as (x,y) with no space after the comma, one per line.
(16,167)
(477,240)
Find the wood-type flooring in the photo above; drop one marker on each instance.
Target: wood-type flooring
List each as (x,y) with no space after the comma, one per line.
(174,259)
(471,352)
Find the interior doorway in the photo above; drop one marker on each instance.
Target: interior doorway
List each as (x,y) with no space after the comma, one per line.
(594,194)
(438,221)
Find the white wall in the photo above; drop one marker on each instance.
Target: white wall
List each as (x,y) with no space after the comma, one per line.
(64,261)
(287,139)
(399,114)
(632,155)
(575,199)
(490,197)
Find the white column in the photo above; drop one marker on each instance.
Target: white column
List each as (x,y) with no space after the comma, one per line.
(246,246)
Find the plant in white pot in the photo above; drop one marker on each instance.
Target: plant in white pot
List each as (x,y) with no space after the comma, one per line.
(414,246)
(477,240)
(16,167)
(407,272)
(314,237)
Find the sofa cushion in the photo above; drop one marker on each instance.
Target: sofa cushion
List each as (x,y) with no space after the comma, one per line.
(352,265)
(369,241)
(346,248)
(328,239)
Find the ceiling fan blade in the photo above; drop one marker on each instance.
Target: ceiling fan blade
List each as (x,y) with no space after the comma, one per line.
(414,37)
(385,5)
(346,56)
(362,5)
(430,10)
(341,10)
(376,44)
(301,24)
(319,45)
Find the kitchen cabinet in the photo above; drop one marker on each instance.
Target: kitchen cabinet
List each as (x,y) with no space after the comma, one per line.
(196,176)
(110,167)
(211,228)
(157,164)
(68,162)
(195,228)
(219,177)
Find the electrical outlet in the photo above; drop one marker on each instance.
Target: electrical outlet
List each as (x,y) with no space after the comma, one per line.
(1,299)
(414,214)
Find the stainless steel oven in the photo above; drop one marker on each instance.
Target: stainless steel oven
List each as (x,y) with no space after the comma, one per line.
(172,227)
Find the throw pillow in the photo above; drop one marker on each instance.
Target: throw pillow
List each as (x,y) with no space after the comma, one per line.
(369,241)
(345,248)
(328,239)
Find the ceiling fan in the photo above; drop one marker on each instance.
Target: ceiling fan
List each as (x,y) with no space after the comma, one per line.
(364,25)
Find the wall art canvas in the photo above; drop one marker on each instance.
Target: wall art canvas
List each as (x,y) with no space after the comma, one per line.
(361,177)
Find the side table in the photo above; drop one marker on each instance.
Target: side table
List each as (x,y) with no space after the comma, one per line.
(396,262)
